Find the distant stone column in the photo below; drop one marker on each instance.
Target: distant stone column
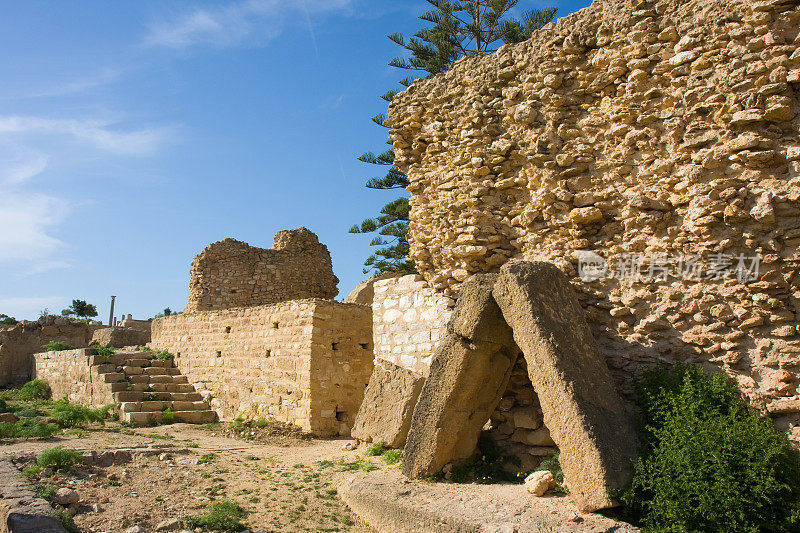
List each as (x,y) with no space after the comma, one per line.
(111,313)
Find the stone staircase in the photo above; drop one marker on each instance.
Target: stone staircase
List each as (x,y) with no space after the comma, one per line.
(145,387)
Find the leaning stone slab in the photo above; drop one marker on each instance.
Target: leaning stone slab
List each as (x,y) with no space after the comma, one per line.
(581,407)
(468,374)
(389,400)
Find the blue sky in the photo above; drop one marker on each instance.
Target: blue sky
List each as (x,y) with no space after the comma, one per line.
(135,133)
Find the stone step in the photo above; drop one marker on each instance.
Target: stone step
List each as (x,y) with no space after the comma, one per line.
(138,396)
(152,379)
(113,377)
(161,371)
(149,406)
(156,417)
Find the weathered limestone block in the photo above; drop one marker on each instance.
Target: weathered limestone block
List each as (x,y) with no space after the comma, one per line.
(467,379)
(119,337)
(529,307)
(389,401)
(581,407)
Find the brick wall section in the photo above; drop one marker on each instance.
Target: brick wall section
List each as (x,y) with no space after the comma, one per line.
(409,319)
(18,343)
(230,273)
(71,373)
(656,127)
(304,362)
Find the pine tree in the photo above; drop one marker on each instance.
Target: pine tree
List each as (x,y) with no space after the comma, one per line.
(458,28)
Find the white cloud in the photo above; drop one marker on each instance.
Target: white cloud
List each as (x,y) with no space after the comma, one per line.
(244,21)
(27,220)
(19,163)
(99,133)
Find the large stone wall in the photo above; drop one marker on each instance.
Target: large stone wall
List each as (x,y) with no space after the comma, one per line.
(409,320)
(230,273)
(664,128)
(18,343)
(74,374)
(304,362)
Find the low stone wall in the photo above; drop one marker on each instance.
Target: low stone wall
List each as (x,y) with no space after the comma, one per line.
(409,320)
(18,343)
(119,337)
(304,362)
(71,373)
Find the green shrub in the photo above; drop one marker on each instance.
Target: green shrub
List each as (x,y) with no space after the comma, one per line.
(45,492)
(59,458)
(263,422)
(219,516)
(207,458)
(375,449)
(31,472)
(164,356)
(391,457)
(236,423)
(66,520)
(57,346)
(105,351)
(707,463)
(168,416)
(38,389)
(69,415)
(27,412)
(8,321)
(27,429)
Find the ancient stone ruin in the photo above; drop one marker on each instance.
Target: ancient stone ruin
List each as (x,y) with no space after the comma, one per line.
(655,139)
(230,273)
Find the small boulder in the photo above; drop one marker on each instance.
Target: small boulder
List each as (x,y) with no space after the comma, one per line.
(171,524)
(539,483)
(66,497)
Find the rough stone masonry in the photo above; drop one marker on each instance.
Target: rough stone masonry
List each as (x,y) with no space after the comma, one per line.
(661,129)
(231,273)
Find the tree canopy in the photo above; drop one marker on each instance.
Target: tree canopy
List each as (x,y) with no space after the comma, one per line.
(455,29)
(80,309)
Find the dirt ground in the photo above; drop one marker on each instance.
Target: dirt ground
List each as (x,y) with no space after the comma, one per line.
(284,482)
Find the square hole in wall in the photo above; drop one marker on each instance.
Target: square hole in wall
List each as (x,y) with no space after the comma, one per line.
(364,345)
(227,329)
(335,346)
(219,354)
(341,416)
(268,353)
(275,325)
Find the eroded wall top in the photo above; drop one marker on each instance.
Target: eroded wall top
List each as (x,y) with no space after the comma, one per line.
(231,273)
(656,128)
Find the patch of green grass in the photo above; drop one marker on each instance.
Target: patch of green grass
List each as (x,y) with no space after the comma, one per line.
(57,346)
(236,423)
(114,483)
(168,416)
(376,449)
(72,414)
(66,520)
(221,515)
(37,389)
(391,457)
(554,466)
(27,429)
(263,422)
(76,432)
(164,356)
(59,458)
(105,351)
(44,491)
(31,472)
(207,458)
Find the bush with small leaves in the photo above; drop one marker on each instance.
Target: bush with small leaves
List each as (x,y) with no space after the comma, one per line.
(164,356)
(391,457)
(168,416)
(57,346)
(27,429)
(69,415)
(38,389)
(707,462)
(59,458)
(219,516)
